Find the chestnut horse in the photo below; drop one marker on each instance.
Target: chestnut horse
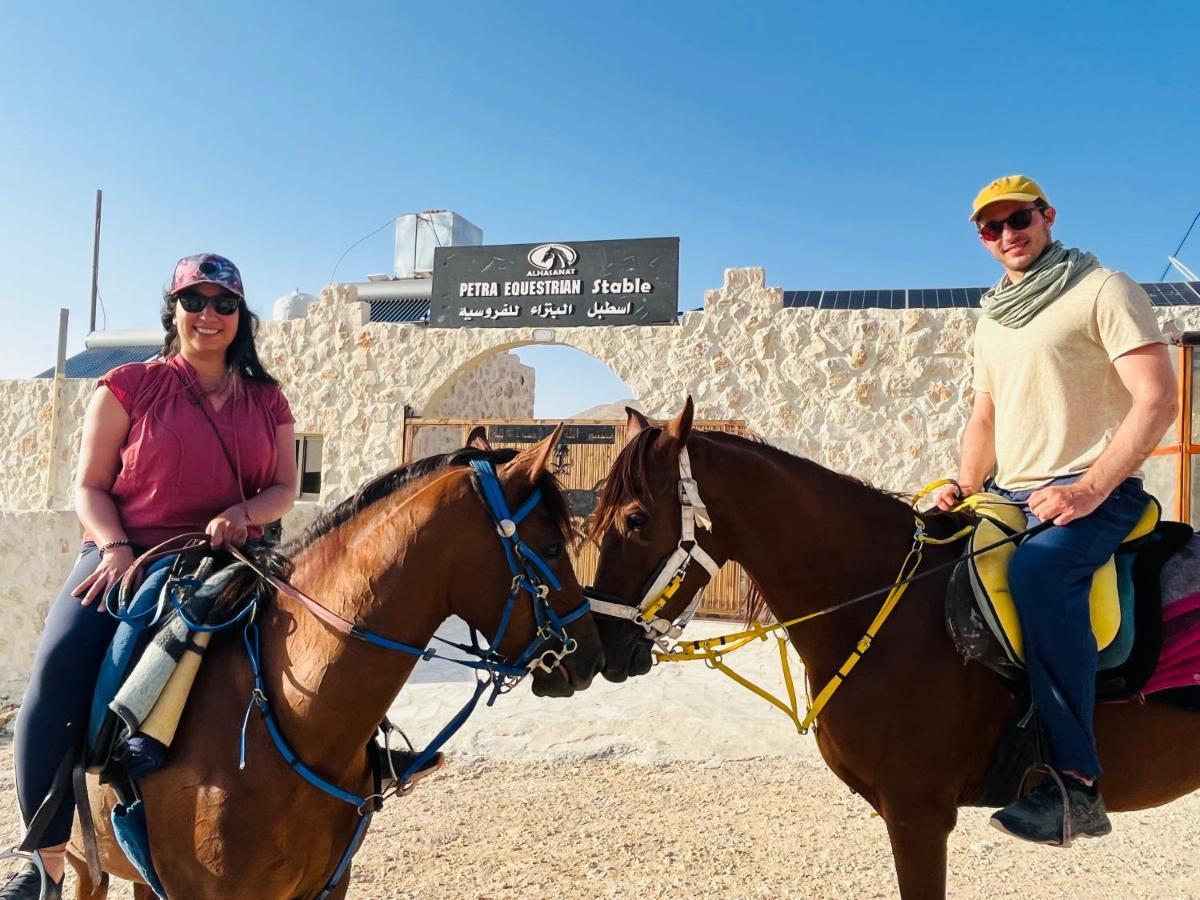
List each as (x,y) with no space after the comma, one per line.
(912,728)
(410,549)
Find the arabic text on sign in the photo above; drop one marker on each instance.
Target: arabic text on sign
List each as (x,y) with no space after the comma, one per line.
(551,311)
(508,311)
(600,310)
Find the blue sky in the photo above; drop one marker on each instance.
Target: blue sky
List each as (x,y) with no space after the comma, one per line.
(838,148)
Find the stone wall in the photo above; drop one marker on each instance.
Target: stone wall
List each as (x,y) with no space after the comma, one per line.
(39,549)
(350,379)
(33,474)
(501,387)
(880,394)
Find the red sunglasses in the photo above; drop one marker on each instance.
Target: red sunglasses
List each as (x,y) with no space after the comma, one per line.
(1018,221)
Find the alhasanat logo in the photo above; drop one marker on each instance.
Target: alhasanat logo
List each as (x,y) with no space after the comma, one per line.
(552,259)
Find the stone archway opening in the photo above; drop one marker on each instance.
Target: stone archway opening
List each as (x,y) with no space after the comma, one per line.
(570,384)
(519,383)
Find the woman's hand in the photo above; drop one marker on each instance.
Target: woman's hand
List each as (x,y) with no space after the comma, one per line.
(230,527)
(112,566)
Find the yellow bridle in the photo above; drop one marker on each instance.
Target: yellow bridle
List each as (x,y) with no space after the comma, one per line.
(713,650)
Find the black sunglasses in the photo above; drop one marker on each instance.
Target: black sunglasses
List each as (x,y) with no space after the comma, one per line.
(222,304)
(1018,221)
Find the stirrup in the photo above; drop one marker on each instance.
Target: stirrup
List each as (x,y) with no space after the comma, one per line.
(47,888)
(1053,776)
(391,780)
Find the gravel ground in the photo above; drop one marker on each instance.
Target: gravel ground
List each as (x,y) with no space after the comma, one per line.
(744,828)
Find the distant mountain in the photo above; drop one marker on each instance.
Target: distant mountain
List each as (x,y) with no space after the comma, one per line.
(614,410)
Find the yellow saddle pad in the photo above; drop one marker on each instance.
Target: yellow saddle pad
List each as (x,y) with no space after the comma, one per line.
(999,519)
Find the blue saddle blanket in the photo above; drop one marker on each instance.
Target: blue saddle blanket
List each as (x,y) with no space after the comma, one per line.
(129,828)
(125,642)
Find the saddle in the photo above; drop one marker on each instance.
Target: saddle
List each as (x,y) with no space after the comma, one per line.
(166,603)
(1126,601)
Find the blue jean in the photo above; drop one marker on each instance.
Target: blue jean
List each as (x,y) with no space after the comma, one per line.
(54,713)
(1051,577)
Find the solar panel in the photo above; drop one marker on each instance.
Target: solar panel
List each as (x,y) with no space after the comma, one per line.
(97,361)
(794,299)
(402,311)
(1168,293)
(1173,293)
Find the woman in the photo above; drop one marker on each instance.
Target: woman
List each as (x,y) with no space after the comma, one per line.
(201,440)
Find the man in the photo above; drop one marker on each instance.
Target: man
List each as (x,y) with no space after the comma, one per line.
(1073,390)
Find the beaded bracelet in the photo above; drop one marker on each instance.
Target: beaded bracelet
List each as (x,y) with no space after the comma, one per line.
(113,545)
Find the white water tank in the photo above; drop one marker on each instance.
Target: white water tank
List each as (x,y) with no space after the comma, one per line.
(419,234)
(293,305)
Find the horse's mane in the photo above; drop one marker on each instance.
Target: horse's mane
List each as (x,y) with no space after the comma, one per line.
(389,483)
(630,480)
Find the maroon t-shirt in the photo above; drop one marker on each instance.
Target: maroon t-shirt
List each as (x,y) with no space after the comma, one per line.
(174,476)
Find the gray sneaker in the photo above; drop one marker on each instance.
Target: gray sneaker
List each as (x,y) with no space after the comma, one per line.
(1039,816)
(26,884)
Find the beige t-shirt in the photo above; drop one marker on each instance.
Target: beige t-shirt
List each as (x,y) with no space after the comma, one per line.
(1058,397)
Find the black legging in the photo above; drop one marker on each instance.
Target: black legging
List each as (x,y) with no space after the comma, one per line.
(58,701)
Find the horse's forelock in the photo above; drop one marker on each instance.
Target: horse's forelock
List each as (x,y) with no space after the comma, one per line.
(628,481)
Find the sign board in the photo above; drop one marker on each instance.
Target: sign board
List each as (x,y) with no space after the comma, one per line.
(531,434)
(628,282)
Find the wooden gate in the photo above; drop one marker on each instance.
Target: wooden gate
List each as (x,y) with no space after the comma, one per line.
(581,461)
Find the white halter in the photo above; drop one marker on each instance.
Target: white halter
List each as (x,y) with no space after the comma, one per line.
(673,570)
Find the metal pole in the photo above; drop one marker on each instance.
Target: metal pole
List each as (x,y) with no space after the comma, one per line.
(95,261)
(402,449)
(60,362)
(60,369)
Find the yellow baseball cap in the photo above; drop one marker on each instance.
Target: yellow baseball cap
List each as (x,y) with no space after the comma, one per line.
(1010,187)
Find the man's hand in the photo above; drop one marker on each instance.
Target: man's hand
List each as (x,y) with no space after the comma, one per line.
(949,496)
(1061,505)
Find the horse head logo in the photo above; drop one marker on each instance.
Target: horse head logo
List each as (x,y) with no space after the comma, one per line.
(549,257)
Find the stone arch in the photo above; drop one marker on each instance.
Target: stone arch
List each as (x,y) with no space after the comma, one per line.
(616,363)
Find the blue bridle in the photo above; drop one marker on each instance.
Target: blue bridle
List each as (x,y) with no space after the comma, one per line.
(531,575)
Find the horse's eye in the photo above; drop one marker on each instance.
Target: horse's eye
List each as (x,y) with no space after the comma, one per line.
(636,520)
(553,551)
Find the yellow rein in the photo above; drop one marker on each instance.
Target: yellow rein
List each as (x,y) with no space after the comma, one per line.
(713,650)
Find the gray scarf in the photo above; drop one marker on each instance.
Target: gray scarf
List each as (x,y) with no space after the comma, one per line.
(1015,305)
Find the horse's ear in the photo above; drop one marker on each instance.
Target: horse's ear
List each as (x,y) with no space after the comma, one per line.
(478,438)
(536,460)
(635,422)
(681,426)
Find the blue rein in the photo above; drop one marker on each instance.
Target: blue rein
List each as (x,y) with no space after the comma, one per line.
(531,575)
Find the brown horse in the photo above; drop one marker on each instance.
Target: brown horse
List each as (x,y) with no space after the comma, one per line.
(412,548)
(912,728)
